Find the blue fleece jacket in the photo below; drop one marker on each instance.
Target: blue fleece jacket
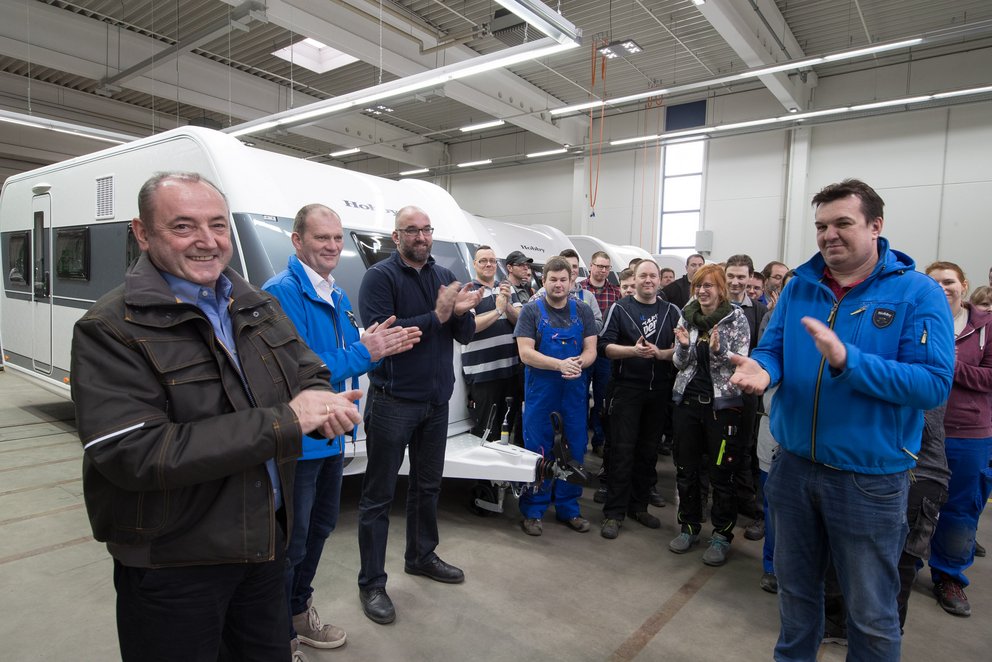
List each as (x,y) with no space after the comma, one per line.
(425,373)
(867,418)
(330,331)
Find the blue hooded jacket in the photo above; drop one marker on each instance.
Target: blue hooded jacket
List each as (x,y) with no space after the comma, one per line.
(867,418)
(330,331)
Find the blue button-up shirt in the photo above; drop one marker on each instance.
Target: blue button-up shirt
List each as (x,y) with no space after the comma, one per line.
(214,303)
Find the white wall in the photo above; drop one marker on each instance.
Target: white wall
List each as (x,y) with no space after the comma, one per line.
(932,167)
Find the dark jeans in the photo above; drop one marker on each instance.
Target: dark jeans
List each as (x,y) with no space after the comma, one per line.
(487,394)
(392,424)
(702,431)
(600,377)
(203,613)
(635,416)
(317,501)
(858,521)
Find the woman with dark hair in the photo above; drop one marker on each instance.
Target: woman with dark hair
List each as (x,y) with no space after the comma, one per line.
(968,424)
(707,414)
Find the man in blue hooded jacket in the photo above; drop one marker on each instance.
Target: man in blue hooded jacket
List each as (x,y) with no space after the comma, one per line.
(859,345)
(322,314)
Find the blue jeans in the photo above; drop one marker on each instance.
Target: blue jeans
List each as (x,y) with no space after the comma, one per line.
(392,424)
(857,520)
(953,545)
(599,375)
(317,501)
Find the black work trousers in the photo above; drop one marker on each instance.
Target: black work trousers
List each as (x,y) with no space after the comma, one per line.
(203,613)
(635,416)
(701,431)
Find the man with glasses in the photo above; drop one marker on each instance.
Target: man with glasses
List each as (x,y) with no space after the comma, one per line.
(408,405)
(606,294)
(490,362)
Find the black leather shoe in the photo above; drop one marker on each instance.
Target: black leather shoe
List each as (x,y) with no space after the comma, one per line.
(437,570)
(377,605)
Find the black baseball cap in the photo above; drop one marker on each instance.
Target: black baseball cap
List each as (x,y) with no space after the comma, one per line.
(516,257)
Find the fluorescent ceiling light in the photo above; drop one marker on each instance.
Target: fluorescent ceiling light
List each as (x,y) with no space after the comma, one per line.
(549,152)
(418,171)
(424,80)
(543,18)
(698,2)
(797,118)
(345,152)
(469,164)
(315,56)
(877,48)
(482,125)
(961,93)
(750,73)
(68,128)
(892,102)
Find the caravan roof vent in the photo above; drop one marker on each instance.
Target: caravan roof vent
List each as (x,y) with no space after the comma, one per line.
(105,197)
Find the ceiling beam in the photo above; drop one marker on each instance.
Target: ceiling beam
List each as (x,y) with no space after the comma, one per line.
(352,26)
(758,33)
(78,45)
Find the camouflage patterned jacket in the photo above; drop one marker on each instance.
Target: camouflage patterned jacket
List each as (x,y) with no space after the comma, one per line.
(735,337)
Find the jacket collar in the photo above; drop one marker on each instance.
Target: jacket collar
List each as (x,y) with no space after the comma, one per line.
(145,290)
(298,271)
(890,261)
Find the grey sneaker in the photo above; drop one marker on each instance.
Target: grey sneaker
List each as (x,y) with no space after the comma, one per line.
(297,654)
(312,632)
(755,530)
(610,529)
(532,527)
(716,553)
(683,543)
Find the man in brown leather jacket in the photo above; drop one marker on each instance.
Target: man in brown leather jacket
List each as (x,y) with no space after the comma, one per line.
(193,391)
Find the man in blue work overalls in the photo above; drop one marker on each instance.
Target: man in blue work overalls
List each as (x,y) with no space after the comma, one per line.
(556,336)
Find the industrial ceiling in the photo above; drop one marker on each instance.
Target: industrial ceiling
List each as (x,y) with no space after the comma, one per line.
(142,66)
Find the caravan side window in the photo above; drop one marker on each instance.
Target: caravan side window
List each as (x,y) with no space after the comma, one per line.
(17,260)
(72,253)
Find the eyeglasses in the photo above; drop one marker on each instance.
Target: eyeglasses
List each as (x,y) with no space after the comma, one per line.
(705,286)
(413,232)
(486,261)
(601,266)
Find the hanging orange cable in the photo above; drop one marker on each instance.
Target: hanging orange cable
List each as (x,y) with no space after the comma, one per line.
(594,187)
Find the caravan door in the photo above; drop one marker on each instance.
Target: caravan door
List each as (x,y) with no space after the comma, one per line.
(41,297)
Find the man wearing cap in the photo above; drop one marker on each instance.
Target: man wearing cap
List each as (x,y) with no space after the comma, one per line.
(518,273)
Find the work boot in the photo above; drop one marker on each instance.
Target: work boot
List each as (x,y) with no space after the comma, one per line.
(532,526)
(579,524)
(610,528)
(755,530)
(950,596)
(647,519)
(769,582)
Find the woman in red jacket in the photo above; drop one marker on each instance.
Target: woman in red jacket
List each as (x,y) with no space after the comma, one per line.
(968,423)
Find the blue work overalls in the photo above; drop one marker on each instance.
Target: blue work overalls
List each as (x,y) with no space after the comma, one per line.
(547,391)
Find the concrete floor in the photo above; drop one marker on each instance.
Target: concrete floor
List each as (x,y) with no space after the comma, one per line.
(564,596)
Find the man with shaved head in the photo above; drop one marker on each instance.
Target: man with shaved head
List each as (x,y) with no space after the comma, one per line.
(408,405)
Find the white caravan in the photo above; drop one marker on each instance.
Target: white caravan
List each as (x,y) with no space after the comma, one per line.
(539,242)
(620,256)
(66,241)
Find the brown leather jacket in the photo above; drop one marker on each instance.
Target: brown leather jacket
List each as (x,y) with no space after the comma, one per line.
(175,438)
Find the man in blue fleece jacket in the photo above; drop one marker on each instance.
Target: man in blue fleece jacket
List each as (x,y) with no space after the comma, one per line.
(859,345)
(321,312)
